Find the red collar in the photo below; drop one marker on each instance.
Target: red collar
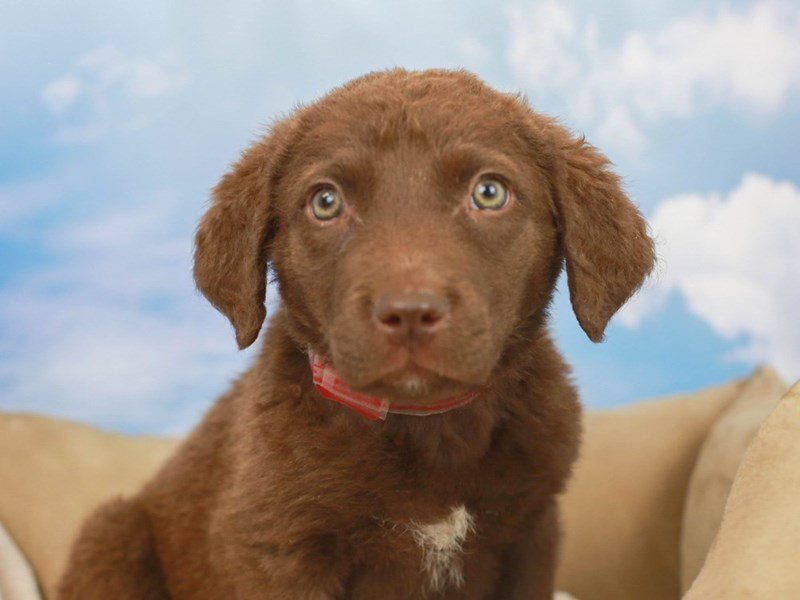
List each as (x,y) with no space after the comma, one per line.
(331,387)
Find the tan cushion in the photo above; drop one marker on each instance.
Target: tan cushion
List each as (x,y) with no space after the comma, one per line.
(622,510)
(717,464)
(756,552)
(17,581)
(53,472)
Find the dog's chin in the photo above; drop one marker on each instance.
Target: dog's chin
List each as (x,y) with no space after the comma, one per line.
(414,383)
(411,381)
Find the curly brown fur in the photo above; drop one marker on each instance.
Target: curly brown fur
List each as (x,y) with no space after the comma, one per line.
(281,494)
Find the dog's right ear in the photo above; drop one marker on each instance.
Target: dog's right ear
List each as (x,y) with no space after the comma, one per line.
(231,245)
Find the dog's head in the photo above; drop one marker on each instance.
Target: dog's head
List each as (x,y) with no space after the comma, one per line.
(417,223)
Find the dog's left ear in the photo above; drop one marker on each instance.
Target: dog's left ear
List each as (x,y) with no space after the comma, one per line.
(231,245)
(607,249)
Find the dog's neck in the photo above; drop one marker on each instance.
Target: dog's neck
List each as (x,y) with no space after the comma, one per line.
(451,438)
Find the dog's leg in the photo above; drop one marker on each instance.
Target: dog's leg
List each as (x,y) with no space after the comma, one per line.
(289,578)
(114,557)
(271,558)
(528,570)
(281,583)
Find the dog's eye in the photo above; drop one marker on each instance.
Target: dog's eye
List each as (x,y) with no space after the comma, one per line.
(326,204)
(489,194)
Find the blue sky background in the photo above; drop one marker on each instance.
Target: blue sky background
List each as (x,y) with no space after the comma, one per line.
(117,118)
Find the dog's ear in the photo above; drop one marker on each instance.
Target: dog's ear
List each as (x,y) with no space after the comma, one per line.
(231,245)
(607,249)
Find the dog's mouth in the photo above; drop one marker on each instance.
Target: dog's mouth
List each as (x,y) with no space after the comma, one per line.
(412,380)
(406,375)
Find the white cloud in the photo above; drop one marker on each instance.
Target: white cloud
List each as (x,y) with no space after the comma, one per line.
(20,200)
(114,333)
(742,59)
(541,40)
(474,51)
(87,358)
(734,260)
(140,77)
(60,94)
(619,125)
(106,90)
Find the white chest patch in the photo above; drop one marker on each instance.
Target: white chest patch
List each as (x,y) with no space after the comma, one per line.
(441,545)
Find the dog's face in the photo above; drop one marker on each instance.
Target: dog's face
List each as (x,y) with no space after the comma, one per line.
(417,223)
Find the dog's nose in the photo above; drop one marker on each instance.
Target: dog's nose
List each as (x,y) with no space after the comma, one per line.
(410,317)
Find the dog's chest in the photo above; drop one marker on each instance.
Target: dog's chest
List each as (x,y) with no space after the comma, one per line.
(438,551)
(441,553)
(420,554)
(439,534)
(441,546)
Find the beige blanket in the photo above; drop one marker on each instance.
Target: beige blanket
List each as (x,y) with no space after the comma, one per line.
(623,512)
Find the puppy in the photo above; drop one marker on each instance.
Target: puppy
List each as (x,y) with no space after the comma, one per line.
(408,423)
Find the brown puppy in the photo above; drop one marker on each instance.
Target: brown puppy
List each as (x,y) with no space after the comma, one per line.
(416,223)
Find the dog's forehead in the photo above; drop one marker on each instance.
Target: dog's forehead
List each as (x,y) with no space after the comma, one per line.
(434,107)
